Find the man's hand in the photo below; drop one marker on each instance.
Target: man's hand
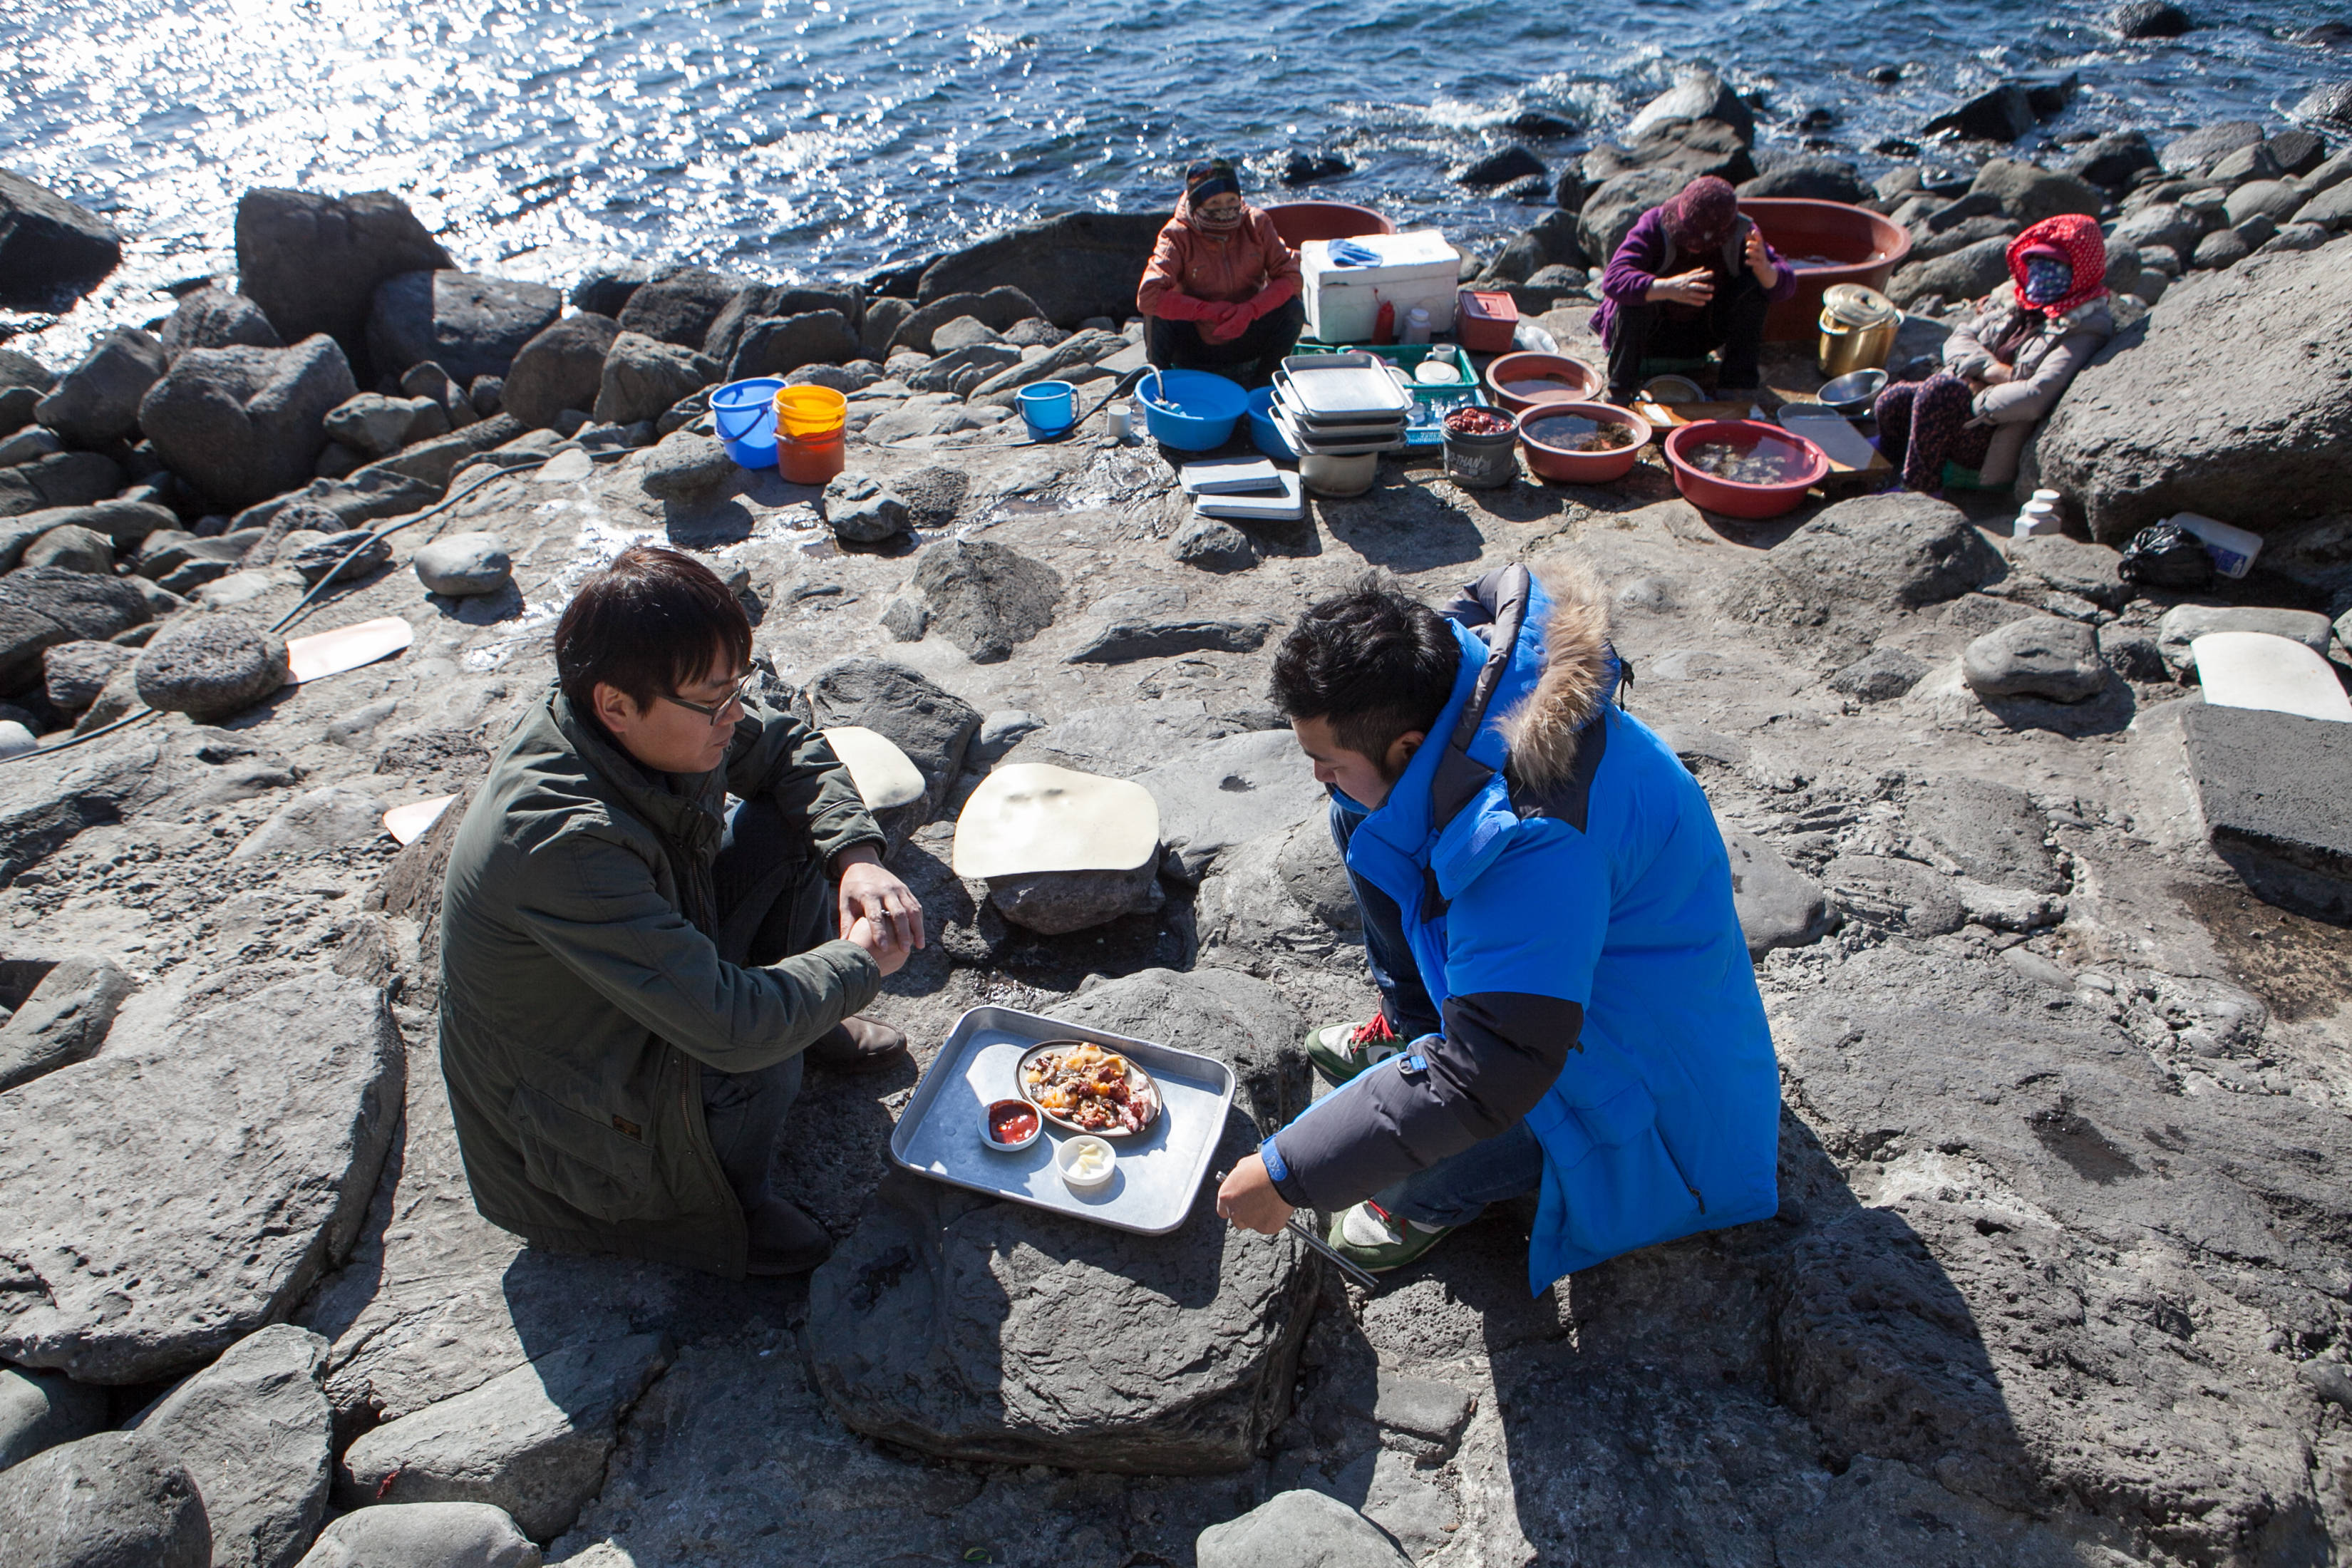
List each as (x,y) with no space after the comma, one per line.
(870,891)
(1692,287)
(1249,1200)
(1759,262)
(880,942)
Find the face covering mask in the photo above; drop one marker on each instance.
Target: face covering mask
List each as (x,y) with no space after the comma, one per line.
(1219,221)
(2047,281)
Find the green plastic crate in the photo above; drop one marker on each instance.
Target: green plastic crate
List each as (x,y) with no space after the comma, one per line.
(1430,404)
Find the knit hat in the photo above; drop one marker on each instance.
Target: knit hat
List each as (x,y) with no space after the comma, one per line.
(1702,215)
(1214,177)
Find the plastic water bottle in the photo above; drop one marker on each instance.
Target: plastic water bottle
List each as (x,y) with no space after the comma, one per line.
(1416,325)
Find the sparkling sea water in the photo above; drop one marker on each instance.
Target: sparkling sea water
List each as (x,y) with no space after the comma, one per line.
(795,138)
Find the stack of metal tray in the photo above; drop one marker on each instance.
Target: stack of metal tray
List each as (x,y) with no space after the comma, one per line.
(1337,406)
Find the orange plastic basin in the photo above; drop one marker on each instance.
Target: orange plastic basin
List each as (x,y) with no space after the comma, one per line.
(1865,247)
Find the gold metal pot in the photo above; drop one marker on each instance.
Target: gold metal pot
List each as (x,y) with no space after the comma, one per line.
(1858,326)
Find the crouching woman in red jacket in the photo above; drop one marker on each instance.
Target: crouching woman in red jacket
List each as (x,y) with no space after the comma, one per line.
(1221,291)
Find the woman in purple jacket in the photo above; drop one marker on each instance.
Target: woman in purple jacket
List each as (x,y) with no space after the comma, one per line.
(1727,278)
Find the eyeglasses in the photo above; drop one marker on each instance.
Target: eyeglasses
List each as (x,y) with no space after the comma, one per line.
(711,711)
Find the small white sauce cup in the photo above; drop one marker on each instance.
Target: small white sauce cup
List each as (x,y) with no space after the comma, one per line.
(1066,1158)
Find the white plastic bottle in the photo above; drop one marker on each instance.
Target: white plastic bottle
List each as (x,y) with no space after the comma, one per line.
(1416,325)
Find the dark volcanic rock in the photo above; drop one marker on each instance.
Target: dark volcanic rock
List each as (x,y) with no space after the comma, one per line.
(642,376)
(1075,265)
(41,606)
(64,1021)
(2331,104)
(1120,640)
(952,1324)
(2003,113)
(1778,906)
(1243,1022)
(1612,209)
(560,368)
(933,726)
(210,667)
(2114,158)
(1299,1529)
(242,425)
(985,597)
(1875,553)
(2148,19)
(116,1500)
(97,400)
(998,309)
(1686,148)
(42,1409)
(679,307)
(256,1434)
(1055,903)
(468,323)
(2041,655)
(1992,832)
(217,1190)
(1969,273)
(312,262)
(346,557)
(2208,144)
(2265,347)
(217,318)
(606,292)
(1696,95)
(49,245)
(59,479)
(2269,786)
(778,301)
(1811,178)
(1499,167)
(773,345)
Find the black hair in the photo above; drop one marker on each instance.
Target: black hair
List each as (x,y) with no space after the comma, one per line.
(650,623)
(1373,663)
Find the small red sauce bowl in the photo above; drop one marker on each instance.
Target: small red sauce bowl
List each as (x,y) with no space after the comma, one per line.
(1010,1124)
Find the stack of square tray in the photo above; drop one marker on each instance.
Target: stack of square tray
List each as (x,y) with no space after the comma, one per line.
(1337,405)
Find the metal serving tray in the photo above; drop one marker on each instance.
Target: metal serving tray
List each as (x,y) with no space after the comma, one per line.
(1158,1173)
(1341,387)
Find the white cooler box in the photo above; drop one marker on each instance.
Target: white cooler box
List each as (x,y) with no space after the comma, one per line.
(1416,268)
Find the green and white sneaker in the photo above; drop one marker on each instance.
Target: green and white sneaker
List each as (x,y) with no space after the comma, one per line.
(1378,1242)
(1341,1051)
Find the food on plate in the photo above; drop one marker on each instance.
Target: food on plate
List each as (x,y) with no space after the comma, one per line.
(1085,1086)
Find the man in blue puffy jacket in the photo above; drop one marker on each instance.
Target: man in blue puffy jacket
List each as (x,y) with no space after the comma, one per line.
(1567,1006)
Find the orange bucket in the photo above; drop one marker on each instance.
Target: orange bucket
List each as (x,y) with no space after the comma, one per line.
(812,462)
(810,412)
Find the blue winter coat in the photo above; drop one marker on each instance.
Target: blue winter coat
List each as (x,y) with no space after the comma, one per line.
(1568,899)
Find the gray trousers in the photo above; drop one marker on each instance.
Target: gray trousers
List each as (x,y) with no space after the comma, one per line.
(773,902)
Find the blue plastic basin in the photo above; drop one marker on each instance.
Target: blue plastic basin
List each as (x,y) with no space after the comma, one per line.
(745,415)
(1264,434)
(1191,410)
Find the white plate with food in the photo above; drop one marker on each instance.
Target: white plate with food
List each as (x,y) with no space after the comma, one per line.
(1081,1086)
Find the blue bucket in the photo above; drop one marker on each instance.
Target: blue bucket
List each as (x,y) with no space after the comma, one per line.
(745,415)
(1048,407)
(1264,434)
(1191,410)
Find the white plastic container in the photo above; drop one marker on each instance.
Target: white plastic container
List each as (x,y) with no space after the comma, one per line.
(1417,324)
(2232,549)
(1417,270)
(2036,520)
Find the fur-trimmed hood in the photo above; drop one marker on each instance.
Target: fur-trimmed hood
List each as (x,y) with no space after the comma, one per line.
(1580,676)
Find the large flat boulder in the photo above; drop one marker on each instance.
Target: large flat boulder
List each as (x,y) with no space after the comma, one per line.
(312,261)
(1861,560)
(257,1437)
(163,1201)
(2020,1279)
(559,368)
(49,247)
(217,318)
(532,1441)
(41,606)
(1221,793)
(931,725)
(2234,400)
(2271,786)
(468,323)
(243,424)
(1075,265)
(1242,1021)
(994,1331)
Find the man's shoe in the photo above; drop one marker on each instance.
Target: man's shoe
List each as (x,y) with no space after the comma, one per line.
(1341,1051)
(1377,1243)
(784,1239)
(858,1045)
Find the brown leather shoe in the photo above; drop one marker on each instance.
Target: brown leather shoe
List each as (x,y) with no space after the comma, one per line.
(784,1240)
(858,1045)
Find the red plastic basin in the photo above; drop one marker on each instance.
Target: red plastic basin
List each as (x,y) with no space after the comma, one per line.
(1866,247)
(1575,379)
(1573,468)
(1730,496)
(1298,222)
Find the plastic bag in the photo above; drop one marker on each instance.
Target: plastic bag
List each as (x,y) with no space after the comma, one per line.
(2164,556)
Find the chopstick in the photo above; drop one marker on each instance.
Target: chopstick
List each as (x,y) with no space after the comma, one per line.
(1355,1273)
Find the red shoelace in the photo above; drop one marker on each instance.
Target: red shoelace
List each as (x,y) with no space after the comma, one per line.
(1373,1032)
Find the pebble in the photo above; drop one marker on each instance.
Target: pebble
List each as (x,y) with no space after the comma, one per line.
(16,740)
(209,667)
(1879,675)
(2041,655)
(685,467)
(464,564)
(1212,545)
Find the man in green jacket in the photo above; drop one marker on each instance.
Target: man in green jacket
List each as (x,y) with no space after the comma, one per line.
(631,969)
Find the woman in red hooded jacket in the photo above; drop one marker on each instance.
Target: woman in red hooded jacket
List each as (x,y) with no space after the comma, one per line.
(2009,365)
(1221,292)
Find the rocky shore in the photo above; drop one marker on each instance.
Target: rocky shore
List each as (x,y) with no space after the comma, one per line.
(2055,952)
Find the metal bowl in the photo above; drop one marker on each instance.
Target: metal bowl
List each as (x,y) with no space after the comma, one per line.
(1674,389)
(1854,392)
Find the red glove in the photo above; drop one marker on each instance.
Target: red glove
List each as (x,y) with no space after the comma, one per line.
(1231,321)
